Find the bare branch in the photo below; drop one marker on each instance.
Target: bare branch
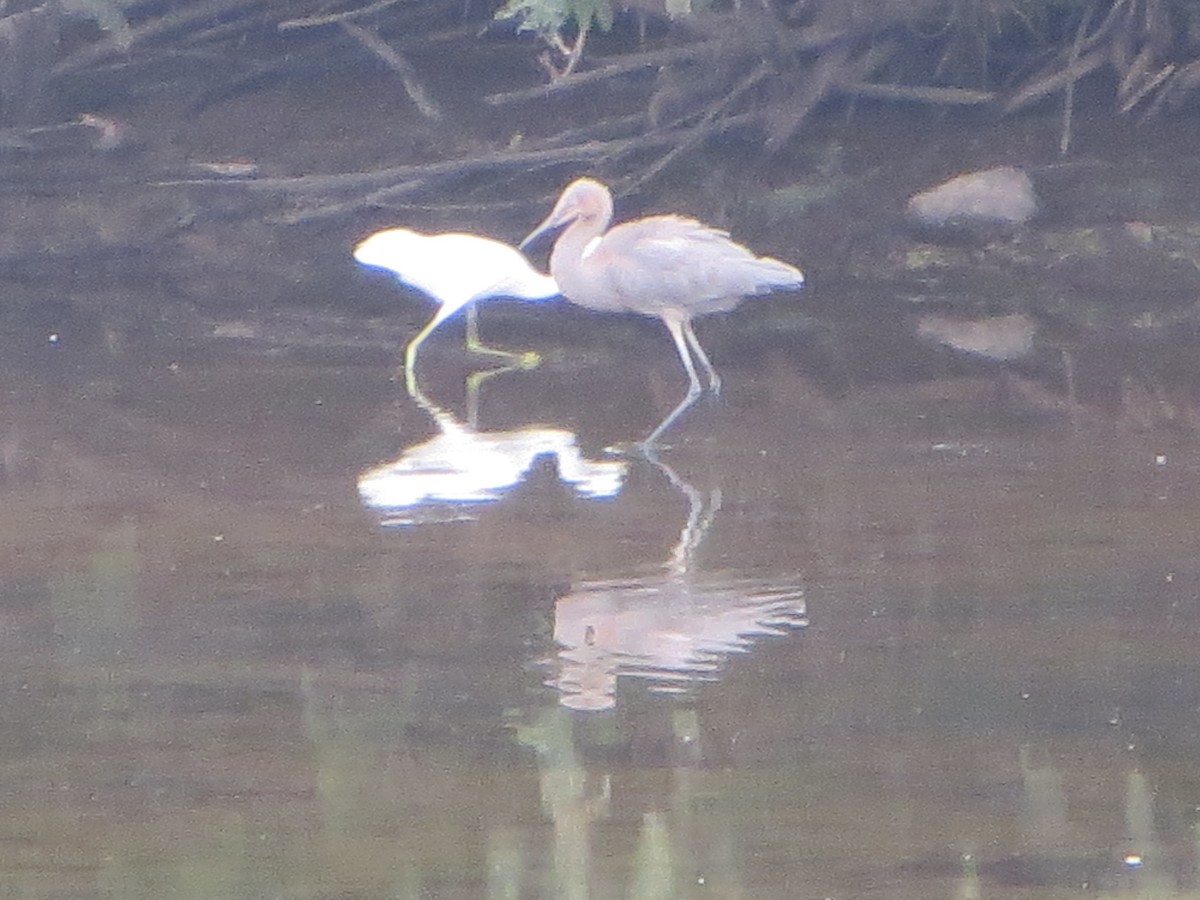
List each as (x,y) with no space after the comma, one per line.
(401,66)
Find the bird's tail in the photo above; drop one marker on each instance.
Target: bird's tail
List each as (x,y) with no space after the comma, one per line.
(778,274)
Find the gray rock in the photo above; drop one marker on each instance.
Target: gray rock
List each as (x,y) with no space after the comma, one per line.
(994,201)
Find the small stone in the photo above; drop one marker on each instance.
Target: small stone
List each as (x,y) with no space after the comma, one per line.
(977,204)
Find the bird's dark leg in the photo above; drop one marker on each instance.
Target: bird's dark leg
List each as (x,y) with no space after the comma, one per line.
(678,329)
(714,380)
(525,359)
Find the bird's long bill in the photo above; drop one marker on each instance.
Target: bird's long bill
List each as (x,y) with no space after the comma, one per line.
(552,221)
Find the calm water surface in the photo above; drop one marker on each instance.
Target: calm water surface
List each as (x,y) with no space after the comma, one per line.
(272,628)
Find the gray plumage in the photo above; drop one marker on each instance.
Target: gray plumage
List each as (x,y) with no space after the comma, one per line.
(671,267)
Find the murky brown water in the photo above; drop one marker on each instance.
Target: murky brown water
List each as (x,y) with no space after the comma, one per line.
(894,640)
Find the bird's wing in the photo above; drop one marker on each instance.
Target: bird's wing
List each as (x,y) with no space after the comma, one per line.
(674,261)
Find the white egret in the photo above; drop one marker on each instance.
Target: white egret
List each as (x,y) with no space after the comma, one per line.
(456,270)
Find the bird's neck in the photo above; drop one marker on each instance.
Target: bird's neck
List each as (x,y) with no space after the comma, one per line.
(571,250)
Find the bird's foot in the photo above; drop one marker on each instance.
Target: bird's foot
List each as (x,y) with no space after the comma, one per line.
(521,359)
(528,359)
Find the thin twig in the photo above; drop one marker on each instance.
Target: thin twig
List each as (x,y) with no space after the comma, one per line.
(337,18)
(704,128)
(571,54)
(603,130)
(202,13)
(1077,63)
(1179,84)
(937,95)
(424,178)
(832,69)
(800,40)
(401,66)
(636,63)
(301,185)
(1147,86)
(1057,80)
(1064,140)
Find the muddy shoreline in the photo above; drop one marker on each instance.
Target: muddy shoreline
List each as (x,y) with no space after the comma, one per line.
(190,226)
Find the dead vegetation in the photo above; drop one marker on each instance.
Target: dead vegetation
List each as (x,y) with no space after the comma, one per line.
(687,71)
(1150,48)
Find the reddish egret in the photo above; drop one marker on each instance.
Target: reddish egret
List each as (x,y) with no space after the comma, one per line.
(456,270)
(672,267)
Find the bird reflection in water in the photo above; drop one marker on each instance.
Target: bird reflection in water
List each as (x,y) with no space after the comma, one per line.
(672,629)
(447,476)
(671,267)
(456,270)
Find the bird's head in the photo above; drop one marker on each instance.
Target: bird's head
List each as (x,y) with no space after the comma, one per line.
(388,249)
(585,201)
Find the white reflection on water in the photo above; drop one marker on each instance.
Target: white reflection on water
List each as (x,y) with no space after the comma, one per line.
(440,479)
(673,629)
(672,633)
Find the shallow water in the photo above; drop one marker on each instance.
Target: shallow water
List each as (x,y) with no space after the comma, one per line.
(901,639)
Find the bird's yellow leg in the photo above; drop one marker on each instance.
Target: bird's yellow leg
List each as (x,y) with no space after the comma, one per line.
(410,353)
(524,359)
(475,382)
